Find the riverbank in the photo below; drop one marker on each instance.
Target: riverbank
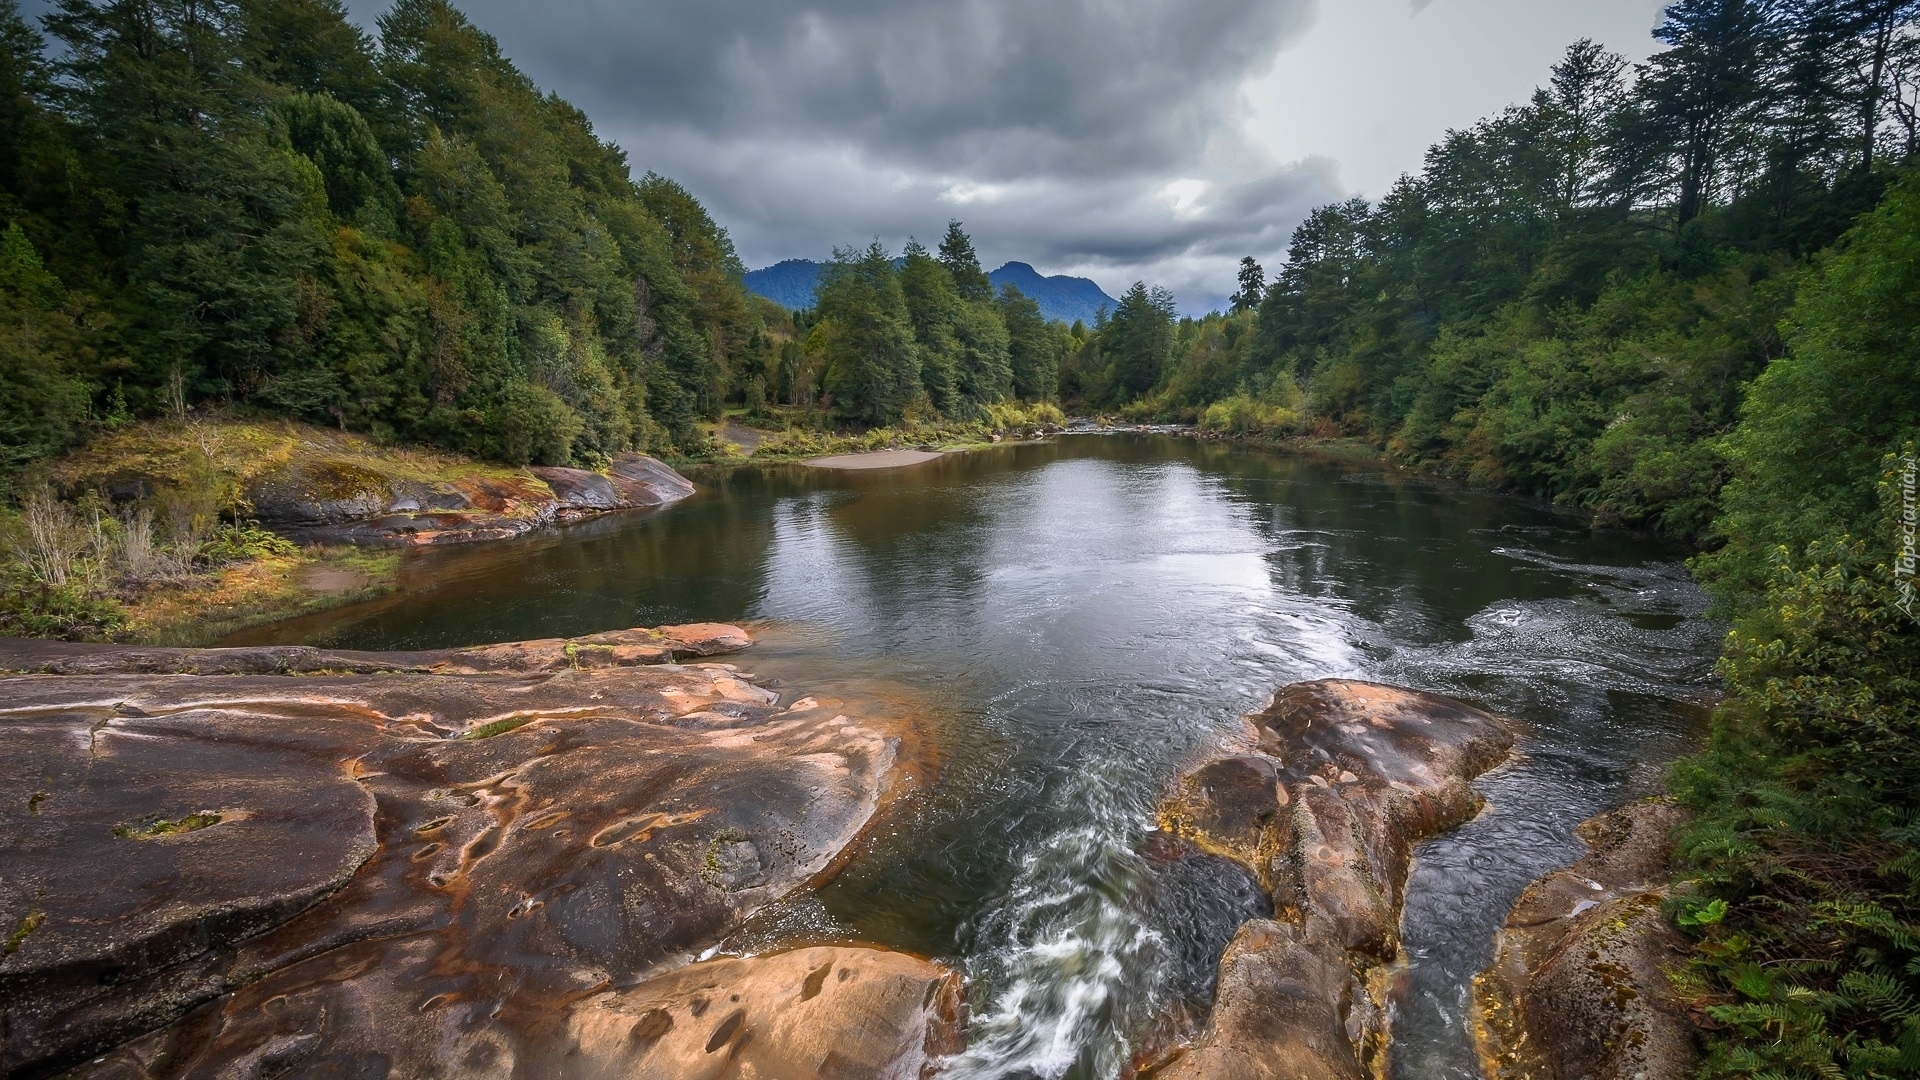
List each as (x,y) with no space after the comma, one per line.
(182,533)
(741,439)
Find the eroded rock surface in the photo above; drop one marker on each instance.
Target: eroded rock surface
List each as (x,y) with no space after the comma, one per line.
(1338,782)
(821,1012)
(1578,987)
(342,501)
(618,648)
(439,864)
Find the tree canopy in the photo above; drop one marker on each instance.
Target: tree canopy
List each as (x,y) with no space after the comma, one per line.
(254,204)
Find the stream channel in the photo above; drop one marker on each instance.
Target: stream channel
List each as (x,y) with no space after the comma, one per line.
(1081,619)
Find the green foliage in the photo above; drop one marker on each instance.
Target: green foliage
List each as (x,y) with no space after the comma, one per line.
(63,612)
(865,330)
(241,543)
(1244,416)
(1816,420)
(1137,342)
(252,203)
(1804,858)
(1570,298)
(1034,346)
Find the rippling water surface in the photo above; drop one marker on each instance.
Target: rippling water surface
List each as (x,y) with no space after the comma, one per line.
(1082,619)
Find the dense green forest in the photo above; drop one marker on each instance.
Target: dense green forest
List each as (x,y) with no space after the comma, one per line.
(918,338)
(1571,296)
(252,205)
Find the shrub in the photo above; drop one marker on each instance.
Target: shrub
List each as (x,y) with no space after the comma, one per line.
(1242,415)
(1802,867)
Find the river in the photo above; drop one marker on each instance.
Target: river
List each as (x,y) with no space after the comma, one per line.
(1080,619)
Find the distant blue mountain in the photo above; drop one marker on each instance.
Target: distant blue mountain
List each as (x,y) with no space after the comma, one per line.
(791,283)
(1060,297)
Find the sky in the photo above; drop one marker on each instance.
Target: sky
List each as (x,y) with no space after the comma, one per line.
(1120,140)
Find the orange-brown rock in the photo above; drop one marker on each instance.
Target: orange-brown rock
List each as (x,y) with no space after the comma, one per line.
(427,868)
(618,648)
(1578,987)
(821,1012)
(1346,778)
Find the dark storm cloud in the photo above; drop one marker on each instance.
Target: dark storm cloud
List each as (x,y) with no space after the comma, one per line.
(999,88)
(1097,135)
(1103,137)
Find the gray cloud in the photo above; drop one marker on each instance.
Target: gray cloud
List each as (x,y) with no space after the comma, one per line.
(1093,136)
(998,88)
(1100,137)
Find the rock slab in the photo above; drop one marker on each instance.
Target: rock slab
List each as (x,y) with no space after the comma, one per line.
(1578,987)
(1336,783)
(344,502)
(417,864)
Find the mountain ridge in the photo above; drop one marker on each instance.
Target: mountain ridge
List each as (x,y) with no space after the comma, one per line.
(790,283)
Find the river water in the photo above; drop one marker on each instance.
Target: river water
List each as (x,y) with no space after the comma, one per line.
(1080,619)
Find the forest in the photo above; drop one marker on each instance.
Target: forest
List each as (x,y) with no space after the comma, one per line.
(254,206)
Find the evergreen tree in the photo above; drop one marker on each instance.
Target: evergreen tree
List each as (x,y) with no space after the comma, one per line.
(1702,93)
(1033,346)
(956,254)
(223,222)
(1253,286)
(1138,340)
(873,362)
(935,309)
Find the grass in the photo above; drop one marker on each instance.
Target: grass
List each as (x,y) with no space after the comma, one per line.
(145,535)
(242,452)
(28,924)
(498,727)
(156,827)
(209,606)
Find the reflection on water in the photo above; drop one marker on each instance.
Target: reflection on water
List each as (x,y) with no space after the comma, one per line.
(1085,618)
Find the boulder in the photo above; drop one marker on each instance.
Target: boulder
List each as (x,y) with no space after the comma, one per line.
(647,481)
(1336,782)
(1578,987)
(415,863)
(577,490)
(319,492)
(1281,1013)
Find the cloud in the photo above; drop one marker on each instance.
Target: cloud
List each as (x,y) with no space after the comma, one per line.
(1102,136)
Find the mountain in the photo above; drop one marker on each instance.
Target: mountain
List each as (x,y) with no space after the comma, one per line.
(1060,297)
(791,283)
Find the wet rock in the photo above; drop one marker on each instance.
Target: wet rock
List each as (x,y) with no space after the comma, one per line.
(1233,807)
(1197,902)
(319,492)
(1347,777)
(340,501)
(577,489)
(822,1012)
(1281,1013)
(647,481)
(427,868)
(1578,986)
